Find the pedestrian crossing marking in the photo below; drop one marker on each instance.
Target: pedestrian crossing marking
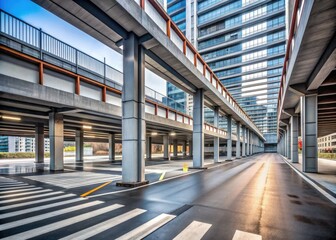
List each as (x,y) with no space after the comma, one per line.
(75,179)
(30,197)
(20,190)
(15,188)
(103,226)
(147,228)
(240,235)
(195,231)
(63,223)
(23,194)
(39,208)
(36,201)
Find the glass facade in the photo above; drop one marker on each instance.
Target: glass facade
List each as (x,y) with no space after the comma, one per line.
(244,43)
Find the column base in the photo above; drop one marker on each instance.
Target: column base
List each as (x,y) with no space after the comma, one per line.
(228,160)
(198,168)
(132,184)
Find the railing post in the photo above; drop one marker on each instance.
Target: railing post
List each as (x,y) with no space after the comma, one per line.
(76,61)
(40,43)
(104,70)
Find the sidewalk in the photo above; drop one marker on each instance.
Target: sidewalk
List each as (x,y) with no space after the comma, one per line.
(326,176)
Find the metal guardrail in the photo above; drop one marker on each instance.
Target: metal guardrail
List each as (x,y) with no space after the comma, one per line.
(155,11)
(25,38)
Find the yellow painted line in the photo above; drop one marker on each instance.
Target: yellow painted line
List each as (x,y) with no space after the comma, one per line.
(162,176)
(95,189)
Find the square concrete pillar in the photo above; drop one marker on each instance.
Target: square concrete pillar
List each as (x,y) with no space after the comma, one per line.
(190,148)
(56,136)
(149,147)
(294,121)
(39,143)
(247,142)
(229,140)
(251,142)
(133,113)
(111,140)
(238,141)
(244,141)
(288,141)
(175,145)
(309,133)
(198,131)
(216,139)
(166,154)
(184,148)
(79,142)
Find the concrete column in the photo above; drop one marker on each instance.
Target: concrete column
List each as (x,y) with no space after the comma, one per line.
(229,141)
(198,131)
(294,139)
(243,144)
(309,133)
(216,139)
(251,143)
(247,142)
(166,154)
(39,143)
(149,147)
(184,148)
(111,138)
(175,145)
(289,141)
(238,141)
(190,148)
(56,137)
(133,113)
(79,141)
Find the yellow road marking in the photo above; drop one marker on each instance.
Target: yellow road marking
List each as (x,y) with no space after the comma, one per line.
(162,176)
(95,189)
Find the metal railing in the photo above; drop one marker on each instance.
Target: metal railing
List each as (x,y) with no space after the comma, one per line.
(155,11)
(32,41)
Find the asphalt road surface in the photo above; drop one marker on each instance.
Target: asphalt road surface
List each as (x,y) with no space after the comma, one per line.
(259,197)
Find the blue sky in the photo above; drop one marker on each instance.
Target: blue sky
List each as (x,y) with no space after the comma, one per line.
(53,25)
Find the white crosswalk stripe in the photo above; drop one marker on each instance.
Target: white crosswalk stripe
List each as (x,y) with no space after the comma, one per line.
(23,194)
(75,179)
(20,190)
(47,215)
(60,210)
(16,188)
(63,223)
(30,197)
(39,208)
(195,231)
(13,185)
(96,229)
(147,228)
(36,201)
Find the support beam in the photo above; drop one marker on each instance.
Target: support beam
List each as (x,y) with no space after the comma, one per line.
(111,140)
(229,140)
(79,141)
(133,114)
(198,131)
(238,141)
(56,136)
(309,133)
(294,139)
(244,142)
(39,143)
(247,142)
(216,139)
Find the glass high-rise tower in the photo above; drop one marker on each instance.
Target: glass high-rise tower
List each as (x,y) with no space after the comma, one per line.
(243,41)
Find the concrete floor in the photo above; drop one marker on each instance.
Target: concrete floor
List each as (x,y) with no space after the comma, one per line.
(259,195)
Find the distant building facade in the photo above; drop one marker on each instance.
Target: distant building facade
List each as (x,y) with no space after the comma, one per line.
(327,143)
(20,144)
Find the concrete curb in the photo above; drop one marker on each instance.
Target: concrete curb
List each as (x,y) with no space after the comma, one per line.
(323,190)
